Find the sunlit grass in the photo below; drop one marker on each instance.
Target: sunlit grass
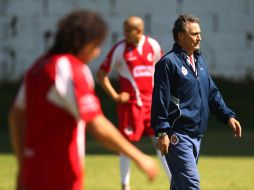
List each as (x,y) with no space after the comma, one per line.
(102,173)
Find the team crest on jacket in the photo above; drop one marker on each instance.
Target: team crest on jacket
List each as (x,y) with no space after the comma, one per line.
(184,70)
(150,57)
(174,139)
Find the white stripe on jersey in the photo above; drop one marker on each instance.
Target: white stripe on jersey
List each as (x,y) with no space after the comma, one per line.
(81,142)
(156,48)
(89,77)
(118,61)
(62,93)
(125,72)
(20,98)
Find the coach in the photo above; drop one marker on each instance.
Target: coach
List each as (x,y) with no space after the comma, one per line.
(183,96)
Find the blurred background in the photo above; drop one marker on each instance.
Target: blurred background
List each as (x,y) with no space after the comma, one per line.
(27,30)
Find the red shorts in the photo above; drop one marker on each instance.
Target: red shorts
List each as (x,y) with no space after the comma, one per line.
(134,121)
(47,172)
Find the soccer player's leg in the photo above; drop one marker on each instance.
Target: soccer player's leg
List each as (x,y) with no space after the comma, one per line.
(125,172)
(131,126)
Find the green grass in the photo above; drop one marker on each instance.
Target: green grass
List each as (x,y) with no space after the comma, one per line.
(102,173)
(7,171)
(227,173)
(225,163)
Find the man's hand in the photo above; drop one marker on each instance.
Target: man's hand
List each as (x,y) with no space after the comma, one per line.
(235,125)
(163,144)
(111,138)
(149,166)
(123,97)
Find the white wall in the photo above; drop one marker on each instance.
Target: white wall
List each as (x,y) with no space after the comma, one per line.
(224,26)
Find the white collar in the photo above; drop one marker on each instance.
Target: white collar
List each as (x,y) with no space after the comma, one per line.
(141,42)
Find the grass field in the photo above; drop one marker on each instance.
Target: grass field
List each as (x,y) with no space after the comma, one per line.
(225,163)
(217,173)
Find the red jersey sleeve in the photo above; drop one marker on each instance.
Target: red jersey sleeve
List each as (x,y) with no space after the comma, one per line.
(88,103)
(74,83)
(112,57)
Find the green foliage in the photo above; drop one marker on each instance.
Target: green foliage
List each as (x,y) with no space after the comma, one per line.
(7,94)
(239,97)
(218,140)
(107,104)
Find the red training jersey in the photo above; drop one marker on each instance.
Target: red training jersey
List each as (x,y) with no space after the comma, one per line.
(58,97)
(135,67)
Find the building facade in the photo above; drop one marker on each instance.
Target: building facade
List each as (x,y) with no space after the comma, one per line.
(27,28)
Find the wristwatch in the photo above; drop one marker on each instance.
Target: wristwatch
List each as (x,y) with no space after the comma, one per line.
(162,134)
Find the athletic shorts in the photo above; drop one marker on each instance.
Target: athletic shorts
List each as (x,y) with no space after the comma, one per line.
(134,121)
(47,172)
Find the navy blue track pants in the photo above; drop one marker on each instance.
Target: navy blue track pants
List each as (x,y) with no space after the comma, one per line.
(182,160)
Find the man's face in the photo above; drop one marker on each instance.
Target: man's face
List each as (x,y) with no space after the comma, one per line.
(131,34)
(190,40)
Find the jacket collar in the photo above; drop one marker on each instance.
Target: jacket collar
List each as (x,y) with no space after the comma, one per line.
(179,50)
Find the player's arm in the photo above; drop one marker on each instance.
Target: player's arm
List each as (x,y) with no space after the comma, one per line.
(109,89)
(17,125)
(218,107)
(108,135)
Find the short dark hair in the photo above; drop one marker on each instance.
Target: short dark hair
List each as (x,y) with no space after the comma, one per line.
(180,24)
(77,29)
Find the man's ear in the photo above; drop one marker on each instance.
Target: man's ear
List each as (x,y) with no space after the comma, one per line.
(140,30)
(180,35)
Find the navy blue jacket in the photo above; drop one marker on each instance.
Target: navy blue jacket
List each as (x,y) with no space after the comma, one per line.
(183,100)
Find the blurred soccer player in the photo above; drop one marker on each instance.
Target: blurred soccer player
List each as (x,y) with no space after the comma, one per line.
(56,104)
(134,59)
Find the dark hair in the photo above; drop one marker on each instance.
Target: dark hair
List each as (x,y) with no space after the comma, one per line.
(77,29)
(180,24)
